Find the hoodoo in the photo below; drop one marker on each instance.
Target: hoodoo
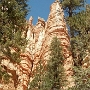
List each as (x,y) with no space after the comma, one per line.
(39,37)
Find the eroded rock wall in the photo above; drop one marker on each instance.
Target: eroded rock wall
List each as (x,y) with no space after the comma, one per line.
(39,37)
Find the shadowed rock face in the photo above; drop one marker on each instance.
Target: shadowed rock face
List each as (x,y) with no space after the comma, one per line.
(39,38)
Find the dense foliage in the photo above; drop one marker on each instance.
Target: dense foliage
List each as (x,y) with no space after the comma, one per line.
(55,66)
(12,24)
(71,8)
(82,79)
(52,76)
(77,18)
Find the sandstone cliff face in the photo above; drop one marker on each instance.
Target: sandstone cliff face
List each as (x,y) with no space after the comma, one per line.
(39,38)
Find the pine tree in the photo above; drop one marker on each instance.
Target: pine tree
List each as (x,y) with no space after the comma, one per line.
(71,8)
(12,24)
(77,20)
(77,17)
(82,79)
(80,43)
(55,70)
(50,77)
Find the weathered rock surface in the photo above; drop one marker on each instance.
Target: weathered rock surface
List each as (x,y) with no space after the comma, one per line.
(39,38)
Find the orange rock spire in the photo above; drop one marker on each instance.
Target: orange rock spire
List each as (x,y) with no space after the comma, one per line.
(39,38)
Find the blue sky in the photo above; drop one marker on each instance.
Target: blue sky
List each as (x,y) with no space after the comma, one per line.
(40,8)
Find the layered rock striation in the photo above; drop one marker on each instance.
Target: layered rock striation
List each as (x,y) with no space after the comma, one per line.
(42,35)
